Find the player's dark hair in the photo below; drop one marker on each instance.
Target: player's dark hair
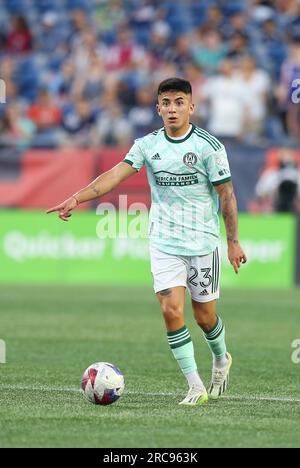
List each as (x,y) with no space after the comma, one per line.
(174,84)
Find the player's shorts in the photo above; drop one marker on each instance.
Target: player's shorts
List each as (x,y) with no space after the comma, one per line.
(201,275)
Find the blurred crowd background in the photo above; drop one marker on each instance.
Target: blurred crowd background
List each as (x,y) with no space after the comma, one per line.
(85,72)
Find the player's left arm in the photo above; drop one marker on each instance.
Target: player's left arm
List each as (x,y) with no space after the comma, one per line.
(229,210)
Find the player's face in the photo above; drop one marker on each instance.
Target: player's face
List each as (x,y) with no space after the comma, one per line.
(175,108)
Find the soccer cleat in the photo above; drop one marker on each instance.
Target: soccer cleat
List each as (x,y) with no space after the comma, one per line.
(196,396)
(220,380)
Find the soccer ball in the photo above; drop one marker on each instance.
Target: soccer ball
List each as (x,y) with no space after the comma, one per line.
(102,383)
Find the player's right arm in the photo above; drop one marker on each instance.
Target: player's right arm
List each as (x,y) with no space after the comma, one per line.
(104,184)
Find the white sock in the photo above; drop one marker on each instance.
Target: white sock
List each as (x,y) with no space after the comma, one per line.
(220,362)
(193,378)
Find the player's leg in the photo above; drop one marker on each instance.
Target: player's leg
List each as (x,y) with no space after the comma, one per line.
(172,304)
(170,278)
(213,329)
(214,333)
(204,288)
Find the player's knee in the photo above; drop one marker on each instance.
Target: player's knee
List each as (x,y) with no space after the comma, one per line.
(171,312)
(205,321)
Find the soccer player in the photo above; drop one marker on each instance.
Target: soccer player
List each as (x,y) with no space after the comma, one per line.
(189,174)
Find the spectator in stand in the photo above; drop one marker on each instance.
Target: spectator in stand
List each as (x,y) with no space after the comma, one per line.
(294,21)
(214,18)
(228,103)
(113,127)
(257,84)
(47,117)
(61,84)
(11,95)
(196,76)
(52,37)
(262,10)
(8,73)
(3,41)
(44,112)
(79,23)
(237,24)
(142,116)
(141,19)
(284,7)
(238,46)
(124,94)
(181,53)
(278,189)
(16,129)
(91,85)
(290,72)
(78,122)
(165,69)
(108,16)
(124,52)
(270,48)
(19,39)
(85,47)
(159,42)
(8,69)
(209,51)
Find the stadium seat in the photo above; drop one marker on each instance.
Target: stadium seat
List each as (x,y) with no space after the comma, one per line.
(43,6)
(16,7)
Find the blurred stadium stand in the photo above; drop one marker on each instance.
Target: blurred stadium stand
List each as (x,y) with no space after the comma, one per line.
(83,74)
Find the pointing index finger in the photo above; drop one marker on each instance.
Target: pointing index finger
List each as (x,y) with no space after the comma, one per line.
(52,210)
(236,268)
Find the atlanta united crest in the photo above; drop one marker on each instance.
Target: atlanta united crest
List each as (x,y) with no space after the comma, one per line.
(190,159)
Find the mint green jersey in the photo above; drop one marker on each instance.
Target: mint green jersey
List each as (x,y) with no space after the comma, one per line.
(182,173)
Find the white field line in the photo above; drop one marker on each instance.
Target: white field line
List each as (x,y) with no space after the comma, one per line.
(44,388)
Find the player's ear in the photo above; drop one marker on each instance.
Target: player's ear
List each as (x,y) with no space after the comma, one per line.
(192,108)
(158,109)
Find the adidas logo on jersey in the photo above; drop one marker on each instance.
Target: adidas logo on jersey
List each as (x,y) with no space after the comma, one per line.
(204,293)
(156,157)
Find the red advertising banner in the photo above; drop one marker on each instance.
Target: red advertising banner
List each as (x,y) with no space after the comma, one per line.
(45,178)
(38,179)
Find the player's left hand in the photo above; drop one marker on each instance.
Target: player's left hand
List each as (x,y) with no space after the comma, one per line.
(236,255)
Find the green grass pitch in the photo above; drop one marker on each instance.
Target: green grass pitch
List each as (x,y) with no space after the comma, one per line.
(52,334)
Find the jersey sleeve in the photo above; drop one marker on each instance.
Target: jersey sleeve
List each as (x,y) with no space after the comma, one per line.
(217,167)
(135,157)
